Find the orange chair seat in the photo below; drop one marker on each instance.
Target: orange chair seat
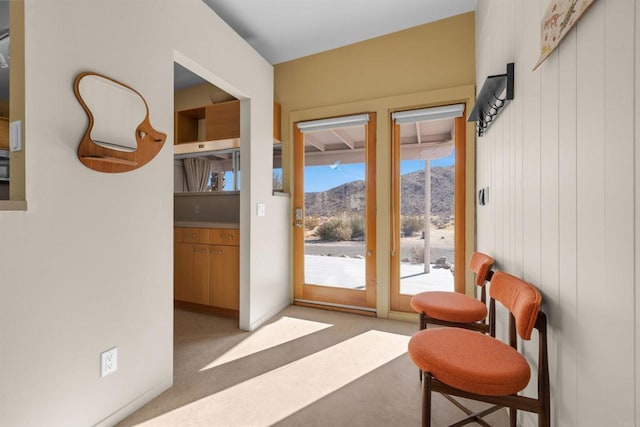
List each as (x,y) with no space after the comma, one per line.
(470,361)
(449,306)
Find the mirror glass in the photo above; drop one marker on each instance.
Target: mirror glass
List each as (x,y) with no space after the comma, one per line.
(117,112)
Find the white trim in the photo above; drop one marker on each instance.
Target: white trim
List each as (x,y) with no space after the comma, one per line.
(424,114)
(333,123)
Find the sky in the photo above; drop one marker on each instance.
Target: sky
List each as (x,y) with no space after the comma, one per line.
(322,178)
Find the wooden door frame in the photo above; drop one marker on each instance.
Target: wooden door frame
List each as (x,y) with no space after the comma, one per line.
(398,301)
(335,297)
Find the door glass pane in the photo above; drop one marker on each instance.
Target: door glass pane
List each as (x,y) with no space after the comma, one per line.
(426,219)
(334,191)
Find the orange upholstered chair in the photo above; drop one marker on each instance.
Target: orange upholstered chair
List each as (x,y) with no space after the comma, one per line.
(455,309)
(463,363)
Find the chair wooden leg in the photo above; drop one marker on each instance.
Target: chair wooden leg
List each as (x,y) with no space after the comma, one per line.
(513,417)
(426,400)
(422,326)
(544,417)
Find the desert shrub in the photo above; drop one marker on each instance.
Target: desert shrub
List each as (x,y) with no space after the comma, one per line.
(357,226)
(416,254)
(335,229)
(311,222)
(411,224)
(441,222)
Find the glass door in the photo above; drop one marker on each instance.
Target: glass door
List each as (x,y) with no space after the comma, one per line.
(427,221)
(334,200)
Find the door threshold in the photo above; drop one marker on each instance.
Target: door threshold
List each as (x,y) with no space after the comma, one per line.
(365,311)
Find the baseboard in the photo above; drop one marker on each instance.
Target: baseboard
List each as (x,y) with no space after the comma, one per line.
(135,404)
(255,325)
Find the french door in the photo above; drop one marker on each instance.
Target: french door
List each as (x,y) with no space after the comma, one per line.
(334,218)
(427,203)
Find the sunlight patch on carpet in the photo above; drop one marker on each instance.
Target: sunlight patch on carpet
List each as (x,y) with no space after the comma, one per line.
(275,395)
(276,333)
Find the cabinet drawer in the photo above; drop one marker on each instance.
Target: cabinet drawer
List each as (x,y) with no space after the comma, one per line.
(191,235)
(224,236)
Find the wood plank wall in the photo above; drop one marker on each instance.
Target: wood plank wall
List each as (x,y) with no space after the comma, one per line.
(563,169)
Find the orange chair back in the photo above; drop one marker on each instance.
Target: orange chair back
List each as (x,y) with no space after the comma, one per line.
(522,299)
(481,265)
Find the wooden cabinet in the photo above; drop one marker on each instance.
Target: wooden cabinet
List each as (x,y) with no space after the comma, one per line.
(215,126)
(222,120)
(210,123)
(207,267)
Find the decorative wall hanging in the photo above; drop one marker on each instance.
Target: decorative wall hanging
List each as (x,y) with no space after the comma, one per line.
(495,94)
(119,136)
(560,17)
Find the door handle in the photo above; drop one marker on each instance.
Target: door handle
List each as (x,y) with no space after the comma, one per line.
(298,220)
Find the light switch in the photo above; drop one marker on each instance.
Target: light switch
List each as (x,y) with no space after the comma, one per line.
(262,210)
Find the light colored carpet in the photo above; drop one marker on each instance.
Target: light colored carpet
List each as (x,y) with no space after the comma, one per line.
(304,367)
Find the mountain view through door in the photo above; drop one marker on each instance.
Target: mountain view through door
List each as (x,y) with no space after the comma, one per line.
(334,194)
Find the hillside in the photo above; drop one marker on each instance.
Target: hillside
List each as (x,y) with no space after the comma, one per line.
(349,197)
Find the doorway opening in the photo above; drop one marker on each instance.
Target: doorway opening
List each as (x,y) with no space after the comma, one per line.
(206,196)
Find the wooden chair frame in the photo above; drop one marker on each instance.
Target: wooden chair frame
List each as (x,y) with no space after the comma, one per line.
(540,405)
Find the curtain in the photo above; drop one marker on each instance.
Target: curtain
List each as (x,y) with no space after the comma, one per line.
(198,171)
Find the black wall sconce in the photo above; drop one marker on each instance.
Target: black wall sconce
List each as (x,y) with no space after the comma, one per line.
(495,94)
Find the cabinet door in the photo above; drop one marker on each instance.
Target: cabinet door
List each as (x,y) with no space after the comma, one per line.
(224,277)
(222,120)
(191,273)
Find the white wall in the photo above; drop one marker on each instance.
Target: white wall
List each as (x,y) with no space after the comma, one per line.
(562,166)
(89,265)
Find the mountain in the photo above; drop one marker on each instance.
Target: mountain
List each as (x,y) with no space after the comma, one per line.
(349,197)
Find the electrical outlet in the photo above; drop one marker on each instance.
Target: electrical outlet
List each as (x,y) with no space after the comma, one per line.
(197,209)
(108,362)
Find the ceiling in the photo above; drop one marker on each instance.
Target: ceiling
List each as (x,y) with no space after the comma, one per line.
(282,30)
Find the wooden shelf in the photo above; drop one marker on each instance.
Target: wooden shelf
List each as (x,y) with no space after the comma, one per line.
(110,160)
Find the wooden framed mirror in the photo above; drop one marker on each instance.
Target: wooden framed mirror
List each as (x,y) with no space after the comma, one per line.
(119,136)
